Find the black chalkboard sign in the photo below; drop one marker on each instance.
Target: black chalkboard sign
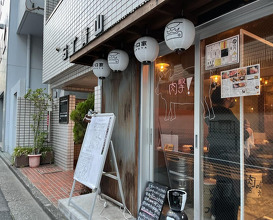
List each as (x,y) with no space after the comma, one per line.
(153,202)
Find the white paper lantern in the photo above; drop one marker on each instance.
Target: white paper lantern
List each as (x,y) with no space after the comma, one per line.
(118,60)
(146,49)
(101,68)
(179,34)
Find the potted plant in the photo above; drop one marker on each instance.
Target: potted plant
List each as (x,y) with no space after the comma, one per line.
(39,98)
(47,155)
(77,116)
(20,156)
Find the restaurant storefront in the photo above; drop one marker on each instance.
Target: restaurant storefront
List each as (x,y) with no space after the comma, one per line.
(180,88)
(165,130)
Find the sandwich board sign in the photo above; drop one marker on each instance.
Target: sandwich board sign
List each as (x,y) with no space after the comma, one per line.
(94,150)
(89,169)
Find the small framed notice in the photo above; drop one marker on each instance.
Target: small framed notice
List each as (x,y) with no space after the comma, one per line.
(222,53)
(243,81)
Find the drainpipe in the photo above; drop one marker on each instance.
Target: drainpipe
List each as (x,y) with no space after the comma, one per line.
(28,62)
(49,111)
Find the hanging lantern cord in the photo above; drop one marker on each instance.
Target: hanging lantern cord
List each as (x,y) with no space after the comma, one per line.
(146,30)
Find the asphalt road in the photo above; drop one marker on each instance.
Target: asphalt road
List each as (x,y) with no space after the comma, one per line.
(4,209)
(15,201)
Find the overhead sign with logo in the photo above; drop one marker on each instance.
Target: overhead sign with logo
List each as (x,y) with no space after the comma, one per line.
(99,28)
(222,53)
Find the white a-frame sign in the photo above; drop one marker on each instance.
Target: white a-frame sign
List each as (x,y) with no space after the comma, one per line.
(89,169)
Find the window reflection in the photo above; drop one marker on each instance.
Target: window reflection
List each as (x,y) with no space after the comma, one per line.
(258,141)
(173,116)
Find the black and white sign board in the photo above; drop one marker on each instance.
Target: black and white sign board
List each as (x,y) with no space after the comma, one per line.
(222,53)
(153,201)
(94,150)
(89,169)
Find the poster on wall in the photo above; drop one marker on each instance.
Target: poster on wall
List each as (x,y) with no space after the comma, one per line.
(222,53)
(243,81)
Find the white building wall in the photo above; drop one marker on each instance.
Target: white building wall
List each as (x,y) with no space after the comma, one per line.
(16,68)
(68,22)
(3,63)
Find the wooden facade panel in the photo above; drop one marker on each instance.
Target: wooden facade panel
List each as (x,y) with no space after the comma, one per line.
(121,97)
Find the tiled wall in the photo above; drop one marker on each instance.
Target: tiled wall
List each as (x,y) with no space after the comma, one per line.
(68,22)
(61,134)
(50,6)
(98,99)
(24,132)
(62,137)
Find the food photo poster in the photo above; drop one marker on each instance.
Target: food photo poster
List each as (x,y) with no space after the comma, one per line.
(243,81)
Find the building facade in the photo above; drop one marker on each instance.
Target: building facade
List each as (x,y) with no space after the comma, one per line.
(161,133)
(21,61)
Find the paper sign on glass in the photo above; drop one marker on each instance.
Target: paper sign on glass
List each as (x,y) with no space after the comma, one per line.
(222,53)
(244,81)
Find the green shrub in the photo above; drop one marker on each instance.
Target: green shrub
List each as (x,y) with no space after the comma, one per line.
(77,116)
(44,150)
(20,151)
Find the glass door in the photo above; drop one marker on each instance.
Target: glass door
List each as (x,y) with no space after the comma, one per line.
(173,114)
(237,122)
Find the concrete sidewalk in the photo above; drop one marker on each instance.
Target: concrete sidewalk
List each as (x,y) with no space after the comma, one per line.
(4,208)
(44,205)
(101,210)
(21,204)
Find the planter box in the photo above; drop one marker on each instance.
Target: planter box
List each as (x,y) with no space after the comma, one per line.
(21,161)
(48,158)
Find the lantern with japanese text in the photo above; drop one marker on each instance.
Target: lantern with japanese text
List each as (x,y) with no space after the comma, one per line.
(101,68)
(179,34)
(118,60)
(146,49)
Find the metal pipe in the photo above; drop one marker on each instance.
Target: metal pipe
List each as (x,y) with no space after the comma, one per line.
(28,62)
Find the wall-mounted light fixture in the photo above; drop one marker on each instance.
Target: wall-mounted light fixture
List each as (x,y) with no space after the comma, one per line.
(146,49)
(215,80)
(162,66)
(58,49)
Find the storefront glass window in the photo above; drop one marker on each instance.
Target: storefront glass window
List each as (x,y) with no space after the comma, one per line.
(224,82)
(174,122)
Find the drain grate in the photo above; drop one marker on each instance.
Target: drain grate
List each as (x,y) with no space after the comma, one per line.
(49,170)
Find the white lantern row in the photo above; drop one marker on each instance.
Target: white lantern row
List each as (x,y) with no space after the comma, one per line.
(179,35)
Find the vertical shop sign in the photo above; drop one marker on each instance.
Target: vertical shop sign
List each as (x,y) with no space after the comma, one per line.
(65,52)
(84,36)
(99,25)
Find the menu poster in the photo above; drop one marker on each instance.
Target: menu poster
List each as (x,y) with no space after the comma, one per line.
(153,201)
(244,81)
(222,53)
